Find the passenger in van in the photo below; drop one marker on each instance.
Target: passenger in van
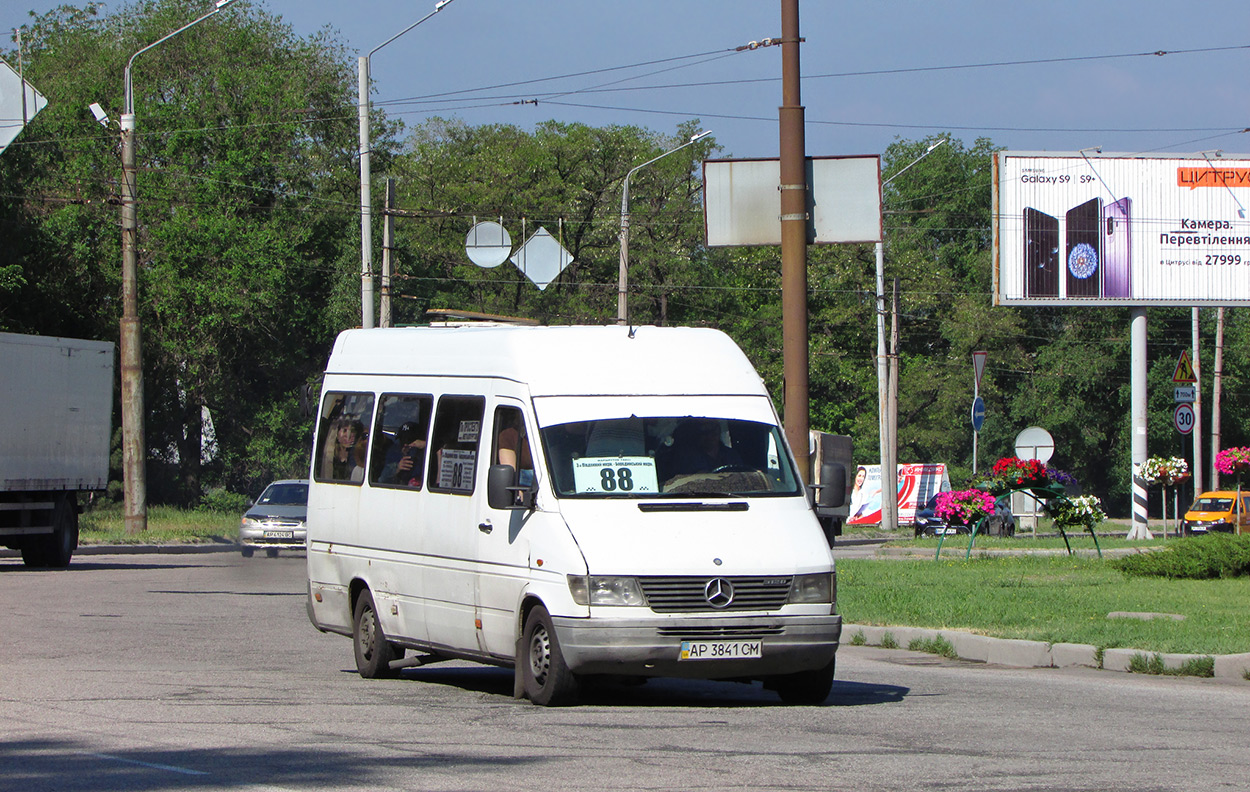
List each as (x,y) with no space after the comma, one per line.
(514,448)
(564,443)
(405,459)
(697,448)
(344,456)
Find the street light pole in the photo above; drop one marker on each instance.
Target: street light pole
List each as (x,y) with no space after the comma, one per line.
(885,386)
(622,284)
(134,456)
(366,192)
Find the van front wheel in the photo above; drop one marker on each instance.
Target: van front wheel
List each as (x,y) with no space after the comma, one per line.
(805,687)
(373,652)
(547,678)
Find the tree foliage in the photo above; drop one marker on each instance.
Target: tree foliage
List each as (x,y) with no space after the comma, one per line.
(249,256)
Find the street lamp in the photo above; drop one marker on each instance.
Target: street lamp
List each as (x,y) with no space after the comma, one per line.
(133,447)
(885,405)
(622,309)
(366,196)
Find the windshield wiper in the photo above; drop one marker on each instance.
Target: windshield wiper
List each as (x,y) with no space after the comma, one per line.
(694,505)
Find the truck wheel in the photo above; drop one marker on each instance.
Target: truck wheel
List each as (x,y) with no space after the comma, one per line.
(247,551)
(373,652)
(33,554)
(64,540)
(806,687)
(547,679)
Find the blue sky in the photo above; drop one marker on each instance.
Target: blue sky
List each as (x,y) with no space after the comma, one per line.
(466,60)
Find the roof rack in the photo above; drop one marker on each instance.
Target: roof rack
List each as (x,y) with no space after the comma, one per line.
(452,315)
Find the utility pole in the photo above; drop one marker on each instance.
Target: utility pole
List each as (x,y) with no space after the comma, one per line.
(388,242)
(1217,383)
(1197,417)
(793,240)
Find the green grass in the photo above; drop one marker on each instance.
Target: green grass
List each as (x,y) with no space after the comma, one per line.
(1057,599)
(166,525)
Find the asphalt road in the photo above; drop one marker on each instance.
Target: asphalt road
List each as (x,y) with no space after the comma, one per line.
(201,672)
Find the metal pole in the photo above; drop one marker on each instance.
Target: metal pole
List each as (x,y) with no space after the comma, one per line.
(134,456)
(889,514)
(366,196)
(1198,477)
(794,337)
(1137,376)
(1217,382)
(622,277)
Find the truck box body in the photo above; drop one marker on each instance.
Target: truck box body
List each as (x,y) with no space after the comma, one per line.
(54,441)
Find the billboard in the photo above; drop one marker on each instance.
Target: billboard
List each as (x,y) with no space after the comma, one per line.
(917,484)
(742,201)
(1120,229)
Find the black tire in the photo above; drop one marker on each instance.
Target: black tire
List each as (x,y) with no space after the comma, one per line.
(247,551)
(33,554)
(546,677)
(373,652)
(54,550)
(806,687)
(271,552)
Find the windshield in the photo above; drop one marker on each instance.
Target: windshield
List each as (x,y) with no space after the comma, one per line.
(1212,505)
(676,456)
(284,495)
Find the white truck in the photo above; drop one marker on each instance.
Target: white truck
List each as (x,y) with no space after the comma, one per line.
(54,440)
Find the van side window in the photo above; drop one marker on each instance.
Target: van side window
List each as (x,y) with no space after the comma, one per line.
(342,439)
(454,444)
(512,445)
(399,440)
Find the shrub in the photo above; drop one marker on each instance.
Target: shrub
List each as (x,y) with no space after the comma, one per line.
(1197,558)
(223,500)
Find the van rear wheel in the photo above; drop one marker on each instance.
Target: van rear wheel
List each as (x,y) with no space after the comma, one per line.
(546,677)
(373,652)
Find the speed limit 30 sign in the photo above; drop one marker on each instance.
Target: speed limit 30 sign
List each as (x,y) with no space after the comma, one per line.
(1183,418)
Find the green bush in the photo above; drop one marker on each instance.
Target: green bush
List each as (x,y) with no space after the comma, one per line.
(1196,558)
(223,500)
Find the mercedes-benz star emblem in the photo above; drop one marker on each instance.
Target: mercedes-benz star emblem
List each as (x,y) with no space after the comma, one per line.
(719,592)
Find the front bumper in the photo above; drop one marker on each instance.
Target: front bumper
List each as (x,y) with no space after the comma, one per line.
(279,535)
(652,647)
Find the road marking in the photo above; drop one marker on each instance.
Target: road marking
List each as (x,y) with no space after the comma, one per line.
(170,768)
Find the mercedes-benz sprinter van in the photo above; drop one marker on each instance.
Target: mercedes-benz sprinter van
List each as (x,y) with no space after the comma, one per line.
(568,502)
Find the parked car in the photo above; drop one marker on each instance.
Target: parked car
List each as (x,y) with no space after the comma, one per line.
(1217,511)
(1001,523)
(277,520)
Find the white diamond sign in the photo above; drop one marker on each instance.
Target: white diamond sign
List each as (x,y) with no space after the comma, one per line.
(542,258)
(11,104)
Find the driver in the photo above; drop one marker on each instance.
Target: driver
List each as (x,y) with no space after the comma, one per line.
(699,448)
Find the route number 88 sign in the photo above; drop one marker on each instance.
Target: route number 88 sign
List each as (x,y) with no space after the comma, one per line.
(614,475)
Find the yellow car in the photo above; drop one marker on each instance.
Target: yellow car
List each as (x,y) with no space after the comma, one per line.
(1217,511)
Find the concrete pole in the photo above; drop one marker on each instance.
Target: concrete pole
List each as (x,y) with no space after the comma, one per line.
(889,505)
(366,197)
(1137,376)
(134,456)
(388,242)
(889,519)
(793,241)
(622,275)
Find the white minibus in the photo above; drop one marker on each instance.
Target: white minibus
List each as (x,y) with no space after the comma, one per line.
(569,502)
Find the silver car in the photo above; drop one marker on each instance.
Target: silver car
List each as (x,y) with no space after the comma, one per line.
(278,519)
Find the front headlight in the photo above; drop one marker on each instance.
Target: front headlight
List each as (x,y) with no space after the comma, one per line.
(248,522)
(605,590)
(818,588)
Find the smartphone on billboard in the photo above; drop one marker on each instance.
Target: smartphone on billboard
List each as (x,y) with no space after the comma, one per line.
(1041,254)
(1117,249)
(1084,269)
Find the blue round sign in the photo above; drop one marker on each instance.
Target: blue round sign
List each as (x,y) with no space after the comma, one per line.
(978,413)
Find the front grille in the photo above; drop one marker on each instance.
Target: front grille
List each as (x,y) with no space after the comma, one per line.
(281,524)
(712,633)
(687,594)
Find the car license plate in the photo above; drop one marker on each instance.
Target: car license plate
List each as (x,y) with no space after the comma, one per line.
(279,534)
(719,650)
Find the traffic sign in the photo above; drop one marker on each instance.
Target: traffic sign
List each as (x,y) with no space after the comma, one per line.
(1183,418)
(1034,442)
(978,368)
(1184,393)
(1184,373)
(978,413)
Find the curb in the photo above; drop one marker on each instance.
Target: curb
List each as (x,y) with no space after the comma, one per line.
(1015,653)
(140,549)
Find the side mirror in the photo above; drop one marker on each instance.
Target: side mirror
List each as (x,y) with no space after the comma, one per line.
(831,492)
(502,491)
